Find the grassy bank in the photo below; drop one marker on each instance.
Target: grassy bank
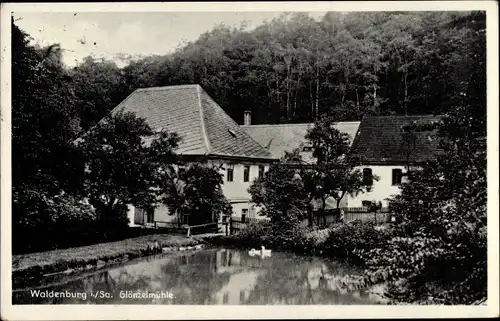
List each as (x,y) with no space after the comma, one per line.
(29,268)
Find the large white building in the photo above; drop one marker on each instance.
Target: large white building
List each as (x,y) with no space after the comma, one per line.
(208,134)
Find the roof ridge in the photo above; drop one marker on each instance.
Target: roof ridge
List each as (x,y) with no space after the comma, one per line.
(401,116)
(204,131)
(185,86)
(296,124)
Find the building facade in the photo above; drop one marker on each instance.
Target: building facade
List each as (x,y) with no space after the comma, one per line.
(207,135)
(386,148)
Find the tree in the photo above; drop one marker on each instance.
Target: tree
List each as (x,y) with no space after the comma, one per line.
(335,171)
(281,192)
(99,86)
(195,192)
(122,167)
(441,216)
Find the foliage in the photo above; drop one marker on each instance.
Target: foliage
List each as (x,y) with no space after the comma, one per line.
(51,221)
(196,191)
(334,173)
(352,239)
(122,167)
(295,69)
(442,215)
(281,192)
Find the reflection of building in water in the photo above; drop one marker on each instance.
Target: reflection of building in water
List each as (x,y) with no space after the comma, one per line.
(237,290)
(230,261)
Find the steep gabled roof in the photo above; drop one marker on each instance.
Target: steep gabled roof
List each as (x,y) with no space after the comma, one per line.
(287,137)
(202,124)
(380,141)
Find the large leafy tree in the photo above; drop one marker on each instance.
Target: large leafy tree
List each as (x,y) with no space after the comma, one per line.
(281,192)
(46,169)
(194,191)
(124,158)
(334,173)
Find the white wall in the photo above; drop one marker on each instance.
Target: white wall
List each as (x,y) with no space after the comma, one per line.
(381,190)
(236,192)
(238,189)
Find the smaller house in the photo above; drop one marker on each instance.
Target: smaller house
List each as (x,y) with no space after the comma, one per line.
(385,148)
(282,138)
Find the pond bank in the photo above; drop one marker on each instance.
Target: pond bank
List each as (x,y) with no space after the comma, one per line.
(29,268)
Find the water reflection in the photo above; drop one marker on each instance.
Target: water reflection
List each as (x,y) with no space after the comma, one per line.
(216,276)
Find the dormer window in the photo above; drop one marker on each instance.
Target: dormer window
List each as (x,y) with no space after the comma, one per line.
(307,149)
(232,132)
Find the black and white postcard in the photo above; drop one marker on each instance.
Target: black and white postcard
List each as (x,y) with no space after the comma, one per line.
(249,160)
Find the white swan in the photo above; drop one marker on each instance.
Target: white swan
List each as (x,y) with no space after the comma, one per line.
(265,252)
(253,252)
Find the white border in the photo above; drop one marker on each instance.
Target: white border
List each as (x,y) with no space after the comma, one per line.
(84,312)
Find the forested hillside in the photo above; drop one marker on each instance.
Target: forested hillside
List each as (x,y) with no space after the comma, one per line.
(295,68)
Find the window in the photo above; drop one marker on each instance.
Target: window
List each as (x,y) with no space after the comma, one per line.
(397,175)
(230,173)
(367,176)
(366,203)
(244,213)
(246,173)
(261,171)
(150,215)
(307,149)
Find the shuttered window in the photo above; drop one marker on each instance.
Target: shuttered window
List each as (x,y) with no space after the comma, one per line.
(367,176)
(397,175)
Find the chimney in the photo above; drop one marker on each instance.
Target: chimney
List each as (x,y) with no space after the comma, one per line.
(247,119)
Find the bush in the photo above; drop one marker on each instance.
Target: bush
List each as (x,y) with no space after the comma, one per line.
(352,240)
(52,223)
(349,241)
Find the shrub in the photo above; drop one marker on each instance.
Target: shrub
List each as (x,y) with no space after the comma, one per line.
(51,222)
(355,238)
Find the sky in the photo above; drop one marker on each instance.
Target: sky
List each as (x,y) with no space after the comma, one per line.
(109,34)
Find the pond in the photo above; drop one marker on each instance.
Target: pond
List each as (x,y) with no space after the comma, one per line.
(212,276)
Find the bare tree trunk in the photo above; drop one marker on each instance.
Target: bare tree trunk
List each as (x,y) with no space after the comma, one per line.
(317,92)
(406,92)
(312,100)
(296,94)
(288,86)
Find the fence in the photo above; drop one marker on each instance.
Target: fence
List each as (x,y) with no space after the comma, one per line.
(363,214)
(237,223)
(329,217)
(351,214)
(183,228)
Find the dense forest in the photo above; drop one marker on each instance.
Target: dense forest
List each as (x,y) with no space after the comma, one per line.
(294,68)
